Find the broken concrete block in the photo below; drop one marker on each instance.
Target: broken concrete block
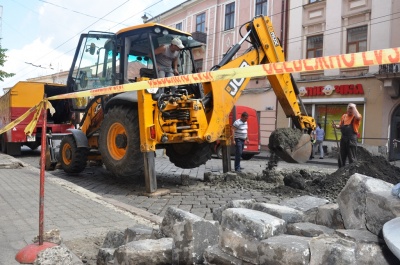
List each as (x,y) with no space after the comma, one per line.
(381,207)
(147,251)
(105,256)
(307,204)
(329,216)
(214,255)
(191,233)
(114,239)
(242,229)
(370,249)
(217,213)
(332,250)
(288,214)
(55,255)
(284,249)
(352,199)
(138,232)
(308,229)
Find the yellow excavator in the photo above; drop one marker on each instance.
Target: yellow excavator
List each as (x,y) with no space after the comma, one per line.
(123,130)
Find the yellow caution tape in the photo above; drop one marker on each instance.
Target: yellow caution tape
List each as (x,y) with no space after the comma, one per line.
(377,57)
(19,119)
(351,60)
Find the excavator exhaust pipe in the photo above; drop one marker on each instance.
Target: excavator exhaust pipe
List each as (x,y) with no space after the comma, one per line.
(291,145)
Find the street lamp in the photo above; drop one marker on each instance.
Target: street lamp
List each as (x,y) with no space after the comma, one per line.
(145,18)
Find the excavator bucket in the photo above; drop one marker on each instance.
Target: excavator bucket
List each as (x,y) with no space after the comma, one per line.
(291,145)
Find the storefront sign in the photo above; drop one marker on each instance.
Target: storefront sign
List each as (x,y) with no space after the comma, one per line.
(352,89)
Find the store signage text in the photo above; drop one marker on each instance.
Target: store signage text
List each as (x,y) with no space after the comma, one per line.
(327,90)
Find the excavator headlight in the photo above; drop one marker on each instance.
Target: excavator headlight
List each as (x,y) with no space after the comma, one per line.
(165,32)
(152,90)
(157,30)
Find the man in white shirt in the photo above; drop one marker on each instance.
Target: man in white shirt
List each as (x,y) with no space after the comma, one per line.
(239,128)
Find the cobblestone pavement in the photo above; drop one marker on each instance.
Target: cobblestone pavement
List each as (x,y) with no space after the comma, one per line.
(198,197)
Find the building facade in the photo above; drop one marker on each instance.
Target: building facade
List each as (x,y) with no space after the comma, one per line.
(332,27)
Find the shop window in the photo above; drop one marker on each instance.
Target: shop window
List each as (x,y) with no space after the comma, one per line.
(325,114)
(315,46)
(179,26)
(229,16)
(261,7)
(201,22)
(357,39)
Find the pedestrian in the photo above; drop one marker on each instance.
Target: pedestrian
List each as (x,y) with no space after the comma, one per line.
(167,58)
(319,135)
(349,124)
(239,133)
(312,140)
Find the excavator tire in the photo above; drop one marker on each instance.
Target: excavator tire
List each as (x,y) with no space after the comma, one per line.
(72,158)
(119,142)
(291,145)
(189,155)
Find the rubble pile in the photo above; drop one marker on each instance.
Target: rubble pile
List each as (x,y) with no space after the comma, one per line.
(301,230)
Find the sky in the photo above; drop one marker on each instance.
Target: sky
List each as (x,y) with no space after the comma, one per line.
(41,35)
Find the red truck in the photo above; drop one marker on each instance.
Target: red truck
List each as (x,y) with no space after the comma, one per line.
(19,99)
(253,132)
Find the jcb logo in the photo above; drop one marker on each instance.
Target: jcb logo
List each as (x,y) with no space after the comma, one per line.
(273,37)
(235,84)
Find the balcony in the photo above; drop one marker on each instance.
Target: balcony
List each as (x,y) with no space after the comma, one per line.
(390,76)
(389,68)
(200,36)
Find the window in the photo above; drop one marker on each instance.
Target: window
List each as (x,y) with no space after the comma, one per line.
(229,16)
(313,1)
(261,7)
(201,22)
(314,46)
(179,26)
(198,64)
(357,39)
(325,114)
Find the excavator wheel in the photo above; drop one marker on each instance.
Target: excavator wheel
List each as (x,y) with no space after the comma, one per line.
(119,142)
(291,145)
(72,158)
(189,155)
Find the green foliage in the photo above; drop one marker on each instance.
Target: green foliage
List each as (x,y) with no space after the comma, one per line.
(3,59)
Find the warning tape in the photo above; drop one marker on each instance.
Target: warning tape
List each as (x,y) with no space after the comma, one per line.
(19,119)
(32,124)
(377,57)
(351,60)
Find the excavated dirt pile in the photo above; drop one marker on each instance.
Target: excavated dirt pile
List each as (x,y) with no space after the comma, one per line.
(300,182)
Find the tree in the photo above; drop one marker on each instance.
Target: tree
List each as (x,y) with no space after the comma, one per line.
(3,59)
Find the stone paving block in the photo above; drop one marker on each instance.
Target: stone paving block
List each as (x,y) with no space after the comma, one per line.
(192,235)
(214,255)
(381,207)
(370,249)
(288,214)
(329,215)
(352,199)
(284,249)
(307,204)
(148,251)
(332,250)
(242,229)
(217,212)
(308,229)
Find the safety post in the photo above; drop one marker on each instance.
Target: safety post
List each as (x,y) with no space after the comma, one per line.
(29,253)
